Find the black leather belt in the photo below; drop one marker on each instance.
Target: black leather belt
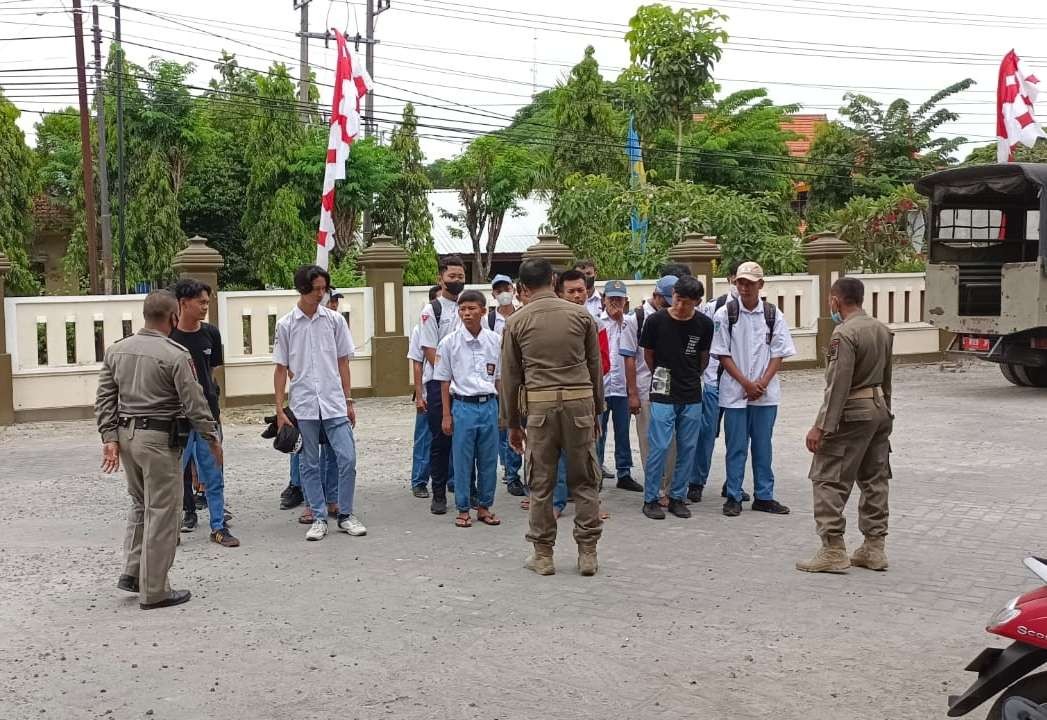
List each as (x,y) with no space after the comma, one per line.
(147,423)
(475,398)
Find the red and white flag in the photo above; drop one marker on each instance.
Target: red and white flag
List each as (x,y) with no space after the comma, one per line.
(1015,95)
(351,83)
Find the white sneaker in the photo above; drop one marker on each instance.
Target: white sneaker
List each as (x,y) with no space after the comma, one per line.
(317,530)
(352,525)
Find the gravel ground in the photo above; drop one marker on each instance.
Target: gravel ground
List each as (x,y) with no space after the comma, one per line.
(704,618)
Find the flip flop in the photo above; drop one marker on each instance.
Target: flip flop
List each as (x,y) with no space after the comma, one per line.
(489,519)
(463,521)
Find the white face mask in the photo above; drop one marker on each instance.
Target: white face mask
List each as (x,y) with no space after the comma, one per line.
(505,298)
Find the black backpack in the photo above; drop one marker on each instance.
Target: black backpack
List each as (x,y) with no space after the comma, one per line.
(639,323)
(770,313)
(492,318)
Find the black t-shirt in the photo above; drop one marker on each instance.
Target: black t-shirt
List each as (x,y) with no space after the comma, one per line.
(677,346)
(205,345)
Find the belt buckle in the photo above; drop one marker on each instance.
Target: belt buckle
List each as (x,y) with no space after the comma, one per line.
(144,424)
(483,398)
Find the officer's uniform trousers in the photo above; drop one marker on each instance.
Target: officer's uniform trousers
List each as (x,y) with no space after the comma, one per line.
(567,425)
(857,452)
(154,482)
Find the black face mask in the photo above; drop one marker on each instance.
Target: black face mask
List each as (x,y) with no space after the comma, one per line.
(455,288)
(590,282)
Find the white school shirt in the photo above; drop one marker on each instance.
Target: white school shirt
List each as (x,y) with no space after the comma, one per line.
(310,348)
(414,352)
(594,305)
(470,363)
(499,322)
(429,335)
(711,376)
(629,346)
(614,380)
(749,350)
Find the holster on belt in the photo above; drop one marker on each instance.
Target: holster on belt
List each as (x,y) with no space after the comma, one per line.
(178,436)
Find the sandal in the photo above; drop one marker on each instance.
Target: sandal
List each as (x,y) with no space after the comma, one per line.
(525,504)
(488,517)
(464,520)
(306,518)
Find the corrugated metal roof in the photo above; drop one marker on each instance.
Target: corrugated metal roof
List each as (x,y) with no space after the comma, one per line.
(518,233)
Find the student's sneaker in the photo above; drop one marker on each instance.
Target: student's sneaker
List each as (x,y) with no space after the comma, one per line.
(679,508)
(770,506)
(350,524)
(653,510)
(626,482)
(224,538)
(515,488)
(420,491)
(317,530)
(189,521)
(732,508)
(745,495)
(694,493)
(291,497)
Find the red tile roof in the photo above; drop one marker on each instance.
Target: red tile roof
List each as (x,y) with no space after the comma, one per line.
(50,216)
(805,126)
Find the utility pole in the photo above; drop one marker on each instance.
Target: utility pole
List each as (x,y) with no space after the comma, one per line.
(85,148)
(103,162)
(120,160)
(369,124)
(303,65)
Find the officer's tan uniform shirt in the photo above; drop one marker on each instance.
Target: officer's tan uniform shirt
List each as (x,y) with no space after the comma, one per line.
(859,357)
(538,352)
(150,375)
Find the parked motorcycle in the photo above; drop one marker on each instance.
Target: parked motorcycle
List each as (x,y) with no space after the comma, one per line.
(1023,696)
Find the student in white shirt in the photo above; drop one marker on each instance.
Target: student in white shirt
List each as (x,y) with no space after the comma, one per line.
(593,302)
(751,354)
(467,368)
(421,372)
(432,330)
(616,394)
(504,297)
(313,346)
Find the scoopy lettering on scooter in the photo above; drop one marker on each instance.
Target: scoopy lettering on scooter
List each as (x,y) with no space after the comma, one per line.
(1022,630)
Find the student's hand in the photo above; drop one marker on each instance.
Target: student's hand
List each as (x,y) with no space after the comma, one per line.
(281,418)
(634,404)
(447,425)
(419,402)
(814,439)
(752,390)
(518,440)
(110,457)
(351,411)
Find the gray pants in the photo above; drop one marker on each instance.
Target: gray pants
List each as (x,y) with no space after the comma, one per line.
(155,486)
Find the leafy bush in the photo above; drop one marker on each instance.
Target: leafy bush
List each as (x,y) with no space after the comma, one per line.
(880,231)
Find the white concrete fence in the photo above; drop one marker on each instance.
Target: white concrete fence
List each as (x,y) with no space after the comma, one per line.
(56,343)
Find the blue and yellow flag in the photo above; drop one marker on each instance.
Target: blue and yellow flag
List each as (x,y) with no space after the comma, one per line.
(637,179)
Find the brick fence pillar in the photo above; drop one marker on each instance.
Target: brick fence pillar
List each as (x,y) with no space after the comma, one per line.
(550,248)
(697,252)
(383,266)
(825,258)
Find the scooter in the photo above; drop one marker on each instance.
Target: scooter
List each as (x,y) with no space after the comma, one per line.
(1024,696)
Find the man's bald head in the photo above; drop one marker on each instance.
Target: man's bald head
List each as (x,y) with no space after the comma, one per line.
(160,310)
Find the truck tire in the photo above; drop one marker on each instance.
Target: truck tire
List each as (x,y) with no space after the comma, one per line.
(1031,376)
(1011,373)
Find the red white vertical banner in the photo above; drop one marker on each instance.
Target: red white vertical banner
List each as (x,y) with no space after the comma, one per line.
(351,84)
(1016,93)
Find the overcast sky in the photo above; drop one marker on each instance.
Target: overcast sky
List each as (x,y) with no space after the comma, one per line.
(794,48)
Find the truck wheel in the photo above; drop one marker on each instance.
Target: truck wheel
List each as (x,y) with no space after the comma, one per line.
(1032,688)
(1031,376)
(1011,373)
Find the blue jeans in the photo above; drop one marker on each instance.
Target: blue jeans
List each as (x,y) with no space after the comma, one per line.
(703,451)
(617,411)
(560,491)
(342,446)
(420,457)
(744,427)
(330,472)
(211,476)
(474,446)
(685,421)
(511,460)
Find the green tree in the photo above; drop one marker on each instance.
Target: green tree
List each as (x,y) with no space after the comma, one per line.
(58,154)
(588,131)
(986,154)
(677,51)
(876,148)
(403,209)
(491,176)
(154,231)
(171,120)
(434,171)
(880,231)
(422,265)
(18,180)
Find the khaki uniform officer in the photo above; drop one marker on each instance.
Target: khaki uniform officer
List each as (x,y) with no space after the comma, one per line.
(146,382)
(851,437)
(551,375)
